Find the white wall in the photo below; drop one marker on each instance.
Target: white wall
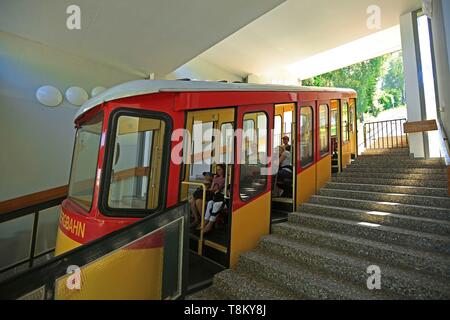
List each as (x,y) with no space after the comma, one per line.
(200,69)
(441,38)
(36,141)
(416,143)
(278,76)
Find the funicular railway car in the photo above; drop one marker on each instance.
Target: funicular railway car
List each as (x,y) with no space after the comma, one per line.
(126,164)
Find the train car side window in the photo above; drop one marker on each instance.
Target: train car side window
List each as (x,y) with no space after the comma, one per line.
(351,115)
(202,146)
(278,131)
(334,117)
(136,166)
(254,147)
(306,136)
(345,124)
(324,129)
(226,143)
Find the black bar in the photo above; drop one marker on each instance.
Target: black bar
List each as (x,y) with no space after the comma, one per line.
(33,238)
(392,136)
(378,135)
(396,133)
(365,137)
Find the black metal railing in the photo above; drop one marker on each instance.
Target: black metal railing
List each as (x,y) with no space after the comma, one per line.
(167,231)
(28,234)
(387,134)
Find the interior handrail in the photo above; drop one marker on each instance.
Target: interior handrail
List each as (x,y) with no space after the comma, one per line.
(33,199)
(202,223)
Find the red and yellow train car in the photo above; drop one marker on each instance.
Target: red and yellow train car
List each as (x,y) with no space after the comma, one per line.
(130,138)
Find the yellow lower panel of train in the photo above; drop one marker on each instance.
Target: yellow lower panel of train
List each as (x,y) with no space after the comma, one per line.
(250,223)
(131,273)
(306,185)
(346,154)
(323,172)
(64,243)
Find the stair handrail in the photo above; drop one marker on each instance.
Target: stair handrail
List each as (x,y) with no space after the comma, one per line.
(443,139)
(30,205)
(378,130)
(23,205)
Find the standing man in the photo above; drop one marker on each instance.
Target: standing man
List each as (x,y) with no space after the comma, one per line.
(286,141)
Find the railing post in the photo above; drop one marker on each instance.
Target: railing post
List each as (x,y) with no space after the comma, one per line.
(365,136)
(33,238)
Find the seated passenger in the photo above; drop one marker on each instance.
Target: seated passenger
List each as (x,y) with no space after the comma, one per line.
(286,141)
(285,174)
(215,206)
(216,186)
(196,201)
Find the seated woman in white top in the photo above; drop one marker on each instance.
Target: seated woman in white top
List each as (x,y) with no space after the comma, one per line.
(285,174)
(286,159)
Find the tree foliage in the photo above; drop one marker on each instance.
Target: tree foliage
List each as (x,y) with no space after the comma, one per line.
(365,78)
(393,86)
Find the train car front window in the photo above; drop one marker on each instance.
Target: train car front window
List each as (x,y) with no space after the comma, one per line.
(136,168)
(84,164)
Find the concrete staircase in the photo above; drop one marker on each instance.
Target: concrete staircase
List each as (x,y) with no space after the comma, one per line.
(385,210)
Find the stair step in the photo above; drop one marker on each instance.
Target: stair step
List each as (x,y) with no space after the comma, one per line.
(392,182)
(388,219)
(390,207)
(387,151)
(384,169)
(434,192)
(426,262)
(407,283)
(377,157)
(393,175)
(303,282)
(239,286)
(399,161)
(408,238)
(437,202)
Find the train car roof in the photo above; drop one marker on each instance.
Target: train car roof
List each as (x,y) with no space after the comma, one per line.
(141,87)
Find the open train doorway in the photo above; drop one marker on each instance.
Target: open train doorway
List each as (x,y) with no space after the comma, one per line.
(283,185)
(335,131)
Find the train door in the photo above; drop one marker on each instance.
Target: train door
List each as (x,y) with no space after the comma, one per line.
(335,132)
(352,128)
(306,168)
(252,180)
(211,145)
(346,145)
(283,186)
(323,154)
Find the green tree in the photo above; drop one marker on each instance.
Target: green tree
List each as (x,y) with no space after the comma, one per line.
(362,77)
(394,80)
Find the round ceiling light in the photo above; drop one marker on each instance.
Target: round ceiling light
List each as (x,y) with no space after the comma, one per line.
(49,96)
(97,90)
(76,96)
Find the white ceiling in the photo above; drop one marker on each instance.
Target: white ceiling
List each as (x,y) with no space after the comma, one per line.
(302,29)
(142,36)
